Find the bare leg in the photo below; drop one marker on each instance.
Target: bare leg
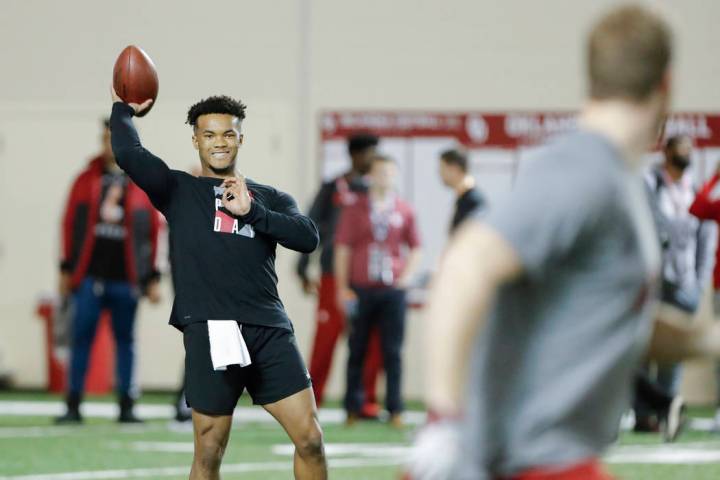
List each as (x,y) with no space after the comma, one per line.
(298,416)
(212,433)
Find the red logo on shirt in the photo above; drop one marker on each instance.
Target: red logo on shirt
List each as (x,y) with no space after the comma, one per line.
(225,223)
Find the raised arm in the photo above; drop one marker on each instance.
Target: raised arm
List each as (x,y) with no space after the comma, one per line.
(676,337)
(149,172)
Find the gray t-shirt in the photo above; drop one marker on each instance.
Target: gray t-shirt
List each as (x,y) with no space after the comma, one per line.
(552,370)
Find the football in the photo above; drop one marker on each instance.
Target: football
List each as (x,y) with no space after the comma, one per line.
(135,78)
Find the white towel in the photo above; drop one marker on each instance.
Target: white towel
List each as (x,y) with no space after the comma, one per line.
(227,345)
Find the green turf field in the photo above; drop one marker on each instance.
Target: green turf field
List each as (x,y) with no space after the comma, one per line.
(31,448)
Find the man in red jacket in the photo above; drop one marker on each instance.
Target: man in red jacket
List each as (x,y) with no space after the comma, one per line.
(707,207)
(109,244)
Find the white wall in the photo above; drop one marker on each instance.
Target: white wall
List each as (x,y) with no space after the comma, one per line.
(287,60)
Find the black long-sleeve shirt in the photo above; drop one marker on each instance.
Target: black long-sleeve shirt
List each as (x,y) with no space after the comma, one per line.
(467,203)
(223,266)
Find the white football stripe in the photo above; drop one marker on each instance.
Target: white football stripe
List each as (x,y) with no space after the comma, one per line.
(184,470)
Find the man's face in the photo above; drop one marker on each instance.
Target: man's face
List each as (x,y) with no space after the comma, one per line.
(448,173)
(382,174)
(361,160)
(217,138)
(684,147)
(679,155)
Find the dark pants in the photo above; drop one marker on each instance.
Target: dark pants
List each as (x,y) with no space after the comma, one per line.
(384,307)
(650,398)
(91,297)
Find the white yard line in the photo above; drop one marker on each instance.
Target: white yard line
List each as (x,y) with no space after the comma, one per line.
(155,447)
(686,453)
(61,430)
(184,470)
(395,451)
(30,432)
(150,411)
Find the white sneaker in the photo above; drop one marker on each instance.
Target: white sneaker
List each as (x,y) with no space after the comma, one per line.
(717,420)
(675,420)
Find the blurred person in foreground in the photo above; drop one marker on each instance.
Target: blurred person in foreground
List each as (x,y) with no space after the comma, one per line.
(109,246)
(531,351)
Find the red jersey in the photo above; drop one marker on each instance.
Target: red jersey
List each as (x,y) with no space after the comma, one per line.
(356,231)
(707,207)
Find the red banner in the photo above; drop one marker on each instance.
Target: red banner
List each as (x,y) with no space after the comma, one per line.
(494,130)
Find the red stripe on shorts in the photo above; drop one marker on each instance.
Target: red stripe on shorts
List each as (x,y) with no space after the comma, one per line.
(588,470)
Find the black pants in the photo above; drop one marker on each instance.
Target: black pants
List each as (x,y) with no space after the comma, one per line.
(650,398)
(384,307)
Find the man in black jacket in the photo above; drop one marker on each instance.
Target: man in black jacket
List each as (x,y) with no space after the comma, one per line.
(454,174)
(224,230)
(333,196)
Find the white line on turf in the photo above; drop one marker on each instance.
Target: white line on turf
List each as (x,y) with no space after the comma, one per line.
(21,432)
(155,447)
(70,431)
(686,453)
(663,454)
(148,411)
(361,450)
(174,471)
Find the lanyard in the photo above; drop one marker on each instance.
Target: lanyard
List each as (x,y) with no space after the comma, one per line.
(380,217)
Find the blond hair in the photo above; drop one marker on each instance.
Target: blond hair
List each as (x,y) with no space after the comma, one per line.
(628,52)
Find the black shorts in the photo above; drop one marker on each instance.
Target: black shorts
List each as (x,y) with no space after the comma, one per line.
(276,372)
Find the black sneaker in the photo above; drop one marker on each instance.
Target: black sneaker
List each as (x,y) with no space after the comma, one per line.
(182,416)
(129,417)
(183,413)
(126,410)
(674,420)
(646,424)
(72,415)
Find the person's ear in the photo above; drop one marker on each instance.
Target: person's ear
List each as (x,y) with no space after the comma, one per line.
(666,82)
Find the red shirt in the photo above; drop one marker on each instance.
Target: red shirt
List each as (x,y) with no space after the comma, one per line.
(707,207)
(355,230)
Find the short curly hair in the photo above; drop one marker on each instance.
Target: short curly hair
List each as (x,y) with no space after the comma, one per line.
(359,142)
(216,104)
